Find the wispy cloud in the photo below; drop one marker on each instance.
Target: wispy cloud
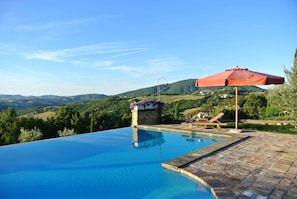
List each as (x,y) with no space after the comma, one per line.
(124,68)
(55,24)
(7,49)
(95,55)
(167,64)
(124,52)
(150,67)
(116,57)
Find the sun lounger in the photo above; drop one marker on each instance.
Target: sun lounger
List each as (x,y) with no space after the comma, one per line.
(206,123)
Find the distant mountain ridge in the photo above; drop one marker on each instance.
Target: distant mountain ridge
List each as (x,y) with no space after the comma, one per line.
(20,102)
(183,87)
(51,97)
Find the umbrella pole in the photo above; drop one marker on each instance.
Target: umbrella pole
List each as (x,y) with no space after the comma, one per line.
(236,107)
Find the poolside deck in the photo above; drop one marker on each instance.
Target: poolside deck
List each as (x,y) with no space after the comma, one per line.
(246,165)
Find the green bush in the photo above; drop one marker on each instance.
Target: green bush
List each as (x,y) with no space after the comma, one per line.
(66,132)
(30,135)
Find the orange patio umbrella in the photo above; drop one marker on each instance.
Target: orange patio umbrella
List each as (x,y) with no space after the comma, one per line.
(239,77)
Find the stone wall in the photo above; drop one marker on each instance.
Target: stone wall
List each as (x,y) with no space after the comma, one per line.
(146,117)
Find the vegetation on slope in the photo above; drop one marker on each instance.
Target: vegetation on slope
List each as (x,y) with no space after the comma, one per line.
(114,112)
(19,102)
(184,87)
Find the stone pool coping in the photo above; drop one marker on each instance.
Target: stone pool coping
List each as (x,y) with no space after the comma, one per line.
(250,164)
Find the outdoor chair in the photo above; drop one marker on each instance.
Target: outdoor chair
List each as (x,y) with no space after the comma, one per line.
(211,122)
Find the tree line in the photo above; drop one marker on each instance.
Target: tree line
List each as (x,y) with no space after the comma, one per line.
(67,121)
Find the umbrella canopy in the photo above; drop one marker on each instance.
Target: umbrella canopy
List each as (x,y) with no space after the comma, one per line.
(239,77)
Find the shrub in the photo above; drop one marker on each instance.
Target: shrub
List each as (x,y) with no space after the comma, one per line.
(30,135)
(66,132)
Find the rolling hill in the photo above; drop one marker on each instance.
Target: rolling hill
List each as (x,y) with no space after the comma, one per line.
(19,102)
(184,87)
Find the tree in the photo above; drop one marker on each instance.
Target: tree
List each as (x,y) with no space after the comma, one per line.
(283,98)
(291,97)
(276,107)
(92,124)
(9,129)
(176,111)
(67,117)
(30,135)
(31,122)
(255,105)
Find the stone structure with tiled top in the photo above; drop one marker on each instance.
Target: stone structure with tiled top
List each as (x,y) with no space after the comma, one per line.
(146,113)
(147,117)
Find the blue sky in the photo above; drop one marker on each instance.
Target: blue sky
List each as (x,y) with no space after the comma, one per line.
(71,47)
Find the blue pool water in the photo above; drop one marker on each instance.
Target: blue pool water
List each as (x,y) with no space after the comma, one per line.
(119,163)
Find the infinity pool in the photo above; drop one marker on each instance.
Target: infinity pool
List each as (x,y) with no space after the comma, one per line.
(118,163)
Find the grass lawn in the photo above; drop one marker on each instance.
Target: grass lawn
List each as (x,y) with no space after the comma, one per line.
(289,129)
(45,115)
(174,98)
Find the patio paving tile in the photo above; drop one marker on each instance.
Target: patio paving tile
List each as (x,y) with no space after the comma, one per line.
(256,165)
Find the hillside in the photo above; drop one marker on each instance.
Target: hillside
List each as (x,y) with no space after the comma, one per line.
(184,87)
(20,102)
(177,88)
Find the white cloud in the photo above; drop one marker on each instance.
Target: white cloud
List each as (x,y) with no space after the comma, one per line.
(124,68)
(126,52)
(167,64)
(44,55)
(54,24)
(86,56)
(105,61)
(7,49)
(151,67)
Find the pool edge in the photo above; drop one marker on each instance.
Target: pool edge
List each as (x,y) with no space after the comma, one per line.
(178,163)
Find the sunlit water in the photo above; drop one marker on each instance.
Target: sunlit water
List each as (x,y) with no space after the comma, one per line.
(116,163)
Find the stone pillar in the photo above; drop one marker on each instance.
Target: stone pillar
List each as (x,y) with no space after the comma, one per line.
(146,112)
(146,116)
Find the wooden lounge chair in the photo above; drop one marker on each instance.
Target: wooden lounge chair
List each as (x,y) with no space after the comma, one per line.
(206,123)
